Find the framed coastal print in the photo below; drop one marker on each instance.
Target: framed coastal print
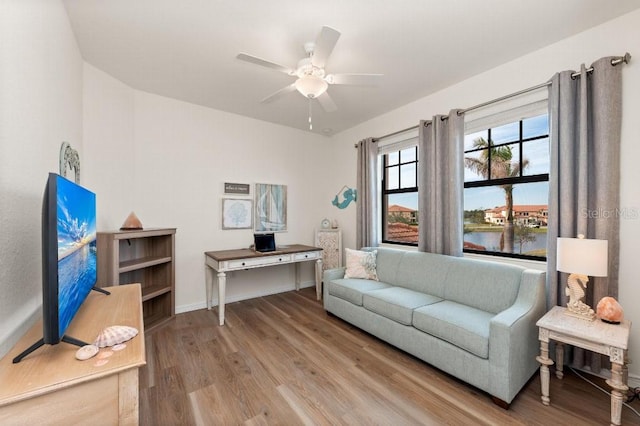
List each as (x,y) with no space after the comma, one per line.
(237,213)
(271,208)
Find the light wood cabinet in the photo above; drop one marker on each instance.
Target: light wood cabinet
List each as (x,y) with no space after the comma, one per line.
(51,387)
(146,257)
(330,241)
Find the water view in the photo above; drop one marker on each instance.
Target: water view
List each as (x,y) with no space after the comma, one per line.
(491,242)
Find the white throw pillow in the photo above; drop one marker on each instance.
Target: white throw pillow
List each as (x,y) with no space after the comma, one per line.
(361,264)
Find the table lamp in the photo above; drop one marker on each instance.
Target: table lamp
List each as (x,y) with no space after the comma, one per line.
(581,257)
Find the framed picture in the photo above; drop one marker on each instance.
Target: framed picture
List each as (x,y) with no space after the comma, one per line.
(271,208)
(237,213)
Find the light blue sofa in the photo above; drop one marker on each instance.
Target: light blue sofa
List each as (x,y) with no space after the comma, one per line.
(473,319)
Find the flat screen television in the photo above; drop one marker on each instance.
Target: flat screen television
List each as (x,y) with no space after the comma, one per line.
(69,258)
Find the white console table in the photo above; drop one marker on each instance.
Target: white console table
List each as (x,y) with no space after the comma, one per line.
(224,261)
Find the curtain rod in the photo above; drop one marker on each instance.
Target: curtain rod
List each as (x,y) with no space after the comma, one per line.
(396,133)
(614,62)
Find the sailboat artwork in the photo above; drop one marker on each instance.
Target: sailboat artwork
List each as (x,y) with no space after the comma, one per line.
(271,207)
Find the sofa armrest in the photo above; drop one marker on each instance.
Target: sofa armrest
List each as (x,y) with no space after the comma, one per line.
(513,335)
(329,275)
(333,274)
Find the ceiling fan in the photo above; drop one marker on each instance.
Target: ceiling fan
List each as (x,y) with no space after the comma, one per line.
(312,80)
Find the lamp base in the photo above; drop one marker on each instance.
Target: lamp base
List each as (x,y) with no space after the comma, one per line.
(581,310)
(576,283)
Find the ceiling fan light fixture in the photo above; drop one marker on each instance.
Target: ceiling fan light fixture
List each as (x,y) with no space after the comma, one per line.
(311,86)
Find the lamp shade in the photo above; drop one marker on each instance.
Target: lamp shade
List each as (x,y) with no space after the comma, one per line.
(582,256)
(311,86)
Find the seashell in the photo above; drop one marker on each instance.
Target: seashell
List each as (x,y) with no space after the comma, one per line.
(104,354)
(86,352)
(119,347)
(115,334)
(101,362)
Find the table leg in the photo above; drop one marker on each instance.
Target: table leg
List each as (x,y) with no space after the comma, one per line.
(298,279)
(559,360)
(545,362)
(208,272)
(318,279)
(625,369)
(618,391)
(222,285)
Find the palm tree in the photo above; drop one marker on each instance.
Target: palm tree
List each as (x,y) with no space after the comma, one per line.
(501,167)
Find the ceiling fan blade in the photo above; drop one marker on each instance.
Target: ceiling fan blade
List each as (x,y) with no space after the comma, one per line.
(287,89)
(265,63)
(325,43)
(356,79)
(327,103)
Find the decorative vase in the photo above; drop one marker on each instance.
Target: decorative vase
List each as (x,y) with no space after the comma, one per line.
(609,310)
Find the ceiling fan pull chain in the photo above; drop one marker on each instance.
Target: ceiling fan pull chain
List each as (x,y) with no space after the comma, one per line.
(310,125)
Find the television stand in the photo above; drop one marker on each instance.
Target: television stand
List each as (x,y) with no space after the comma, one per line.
(36,345)
(65,338)
(101,290)
(53,386)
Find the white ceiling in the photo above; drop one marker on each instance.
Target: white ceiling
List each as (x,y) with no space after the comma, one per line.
(186,49)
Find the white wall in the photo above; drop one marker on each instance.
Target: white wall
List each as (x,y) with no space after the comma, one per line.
(612,38)
(167,160)
(109,162)
(40,107)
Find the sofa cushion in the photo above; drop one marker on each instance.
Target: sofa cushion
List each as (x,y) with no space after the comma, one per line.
(460,325)
(488,286)
(423,272)
(387,264)
(351,289)
(396,303)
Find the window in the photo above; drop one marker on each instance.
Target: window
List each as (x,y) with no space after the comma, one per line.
(400,196)
(506,186)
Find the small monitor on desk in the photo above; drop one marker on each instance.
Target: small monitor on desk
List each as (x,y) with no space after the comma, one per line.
(264,242)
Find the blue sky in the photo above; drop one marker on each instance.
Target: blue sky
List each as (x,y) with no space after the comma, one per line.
(537,152)
(76,213)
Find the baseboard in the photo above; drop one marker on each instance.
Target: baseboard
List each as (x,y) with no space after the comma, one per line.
(634,381)
(244,296)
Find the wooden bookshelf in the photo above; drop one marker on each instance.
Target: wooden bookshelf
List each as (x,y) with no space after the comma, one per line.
(146,257)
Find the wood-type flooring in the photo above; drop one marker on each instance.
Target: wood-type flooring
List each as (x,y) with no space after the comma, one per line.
(282,359)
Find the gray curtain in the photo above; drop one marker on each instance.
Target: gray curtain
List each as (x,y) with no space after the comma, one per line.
(441,179)
(584,178)
(366,206)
